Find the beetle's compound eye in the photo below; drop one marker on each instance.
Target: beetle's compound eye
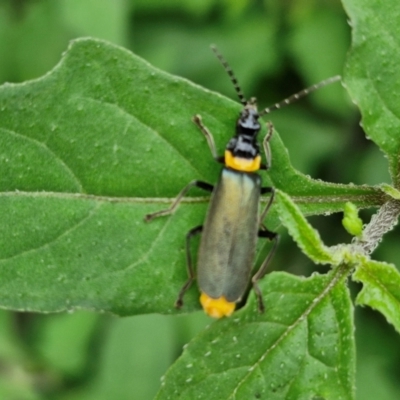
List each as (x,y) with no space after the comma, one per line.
(217,308)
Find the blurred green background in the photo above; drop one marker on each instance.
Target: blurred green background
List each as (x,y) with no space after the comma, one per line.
(275,48)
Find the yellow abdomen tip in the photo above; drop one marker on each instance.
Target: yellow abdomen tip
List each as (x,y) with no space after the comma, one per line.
(217,308)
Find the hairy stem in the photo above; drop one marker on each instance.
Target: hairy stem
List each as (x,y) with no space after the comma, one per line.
(381,222)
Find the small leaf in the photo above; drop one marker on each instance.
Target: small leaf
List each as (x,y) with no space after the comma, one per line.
(381,288)
(301,347)
(303,233)
(351,221)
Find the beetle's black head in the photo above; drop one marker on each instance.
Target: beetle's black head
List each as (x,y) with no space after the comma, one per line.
(244,143)
(248,123)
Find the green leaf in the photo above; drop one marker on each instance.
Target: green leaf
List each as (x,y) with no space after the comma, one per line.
(303,233)
(70,139)
(351,221)
(66,250)
(372,74)
(305,351)
(381,288)
(86,152)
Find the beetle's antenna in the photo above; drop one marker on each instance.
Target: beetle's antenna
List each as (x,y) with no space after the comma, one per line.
(232,76)
(299,95)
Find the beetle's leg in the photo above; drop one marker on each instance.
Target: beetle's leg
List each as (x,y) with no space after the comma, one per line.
(265,190)
(174,205)
(202,185)
(209,137)
(267,149)
(189,265)
(273,236)
(265,233)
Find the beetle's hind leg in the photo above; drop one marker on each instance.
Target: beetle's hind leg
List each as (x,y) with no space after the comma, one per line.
(264,232)
(272,236)
(271,191)
(189,265)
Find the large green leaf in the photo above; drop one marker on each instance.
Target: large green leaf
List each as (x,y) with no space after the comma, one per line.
(372,76)
(88,150)
(301,348)
(372,73)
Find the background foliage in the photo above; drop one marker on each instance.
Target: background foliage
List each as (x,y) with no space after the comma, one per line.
(275,49)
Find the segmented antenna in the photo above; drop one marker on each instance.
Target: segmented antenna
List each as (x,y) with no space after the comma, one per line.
(232,76)
(299,95)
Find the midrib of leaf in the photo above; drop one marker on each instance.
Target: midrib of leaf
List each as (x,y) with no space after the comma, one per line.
(104,199)
(340,272)
(164,200)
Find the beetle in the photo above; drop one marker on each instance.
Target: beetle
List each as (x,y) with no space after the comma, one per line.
(233,221)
